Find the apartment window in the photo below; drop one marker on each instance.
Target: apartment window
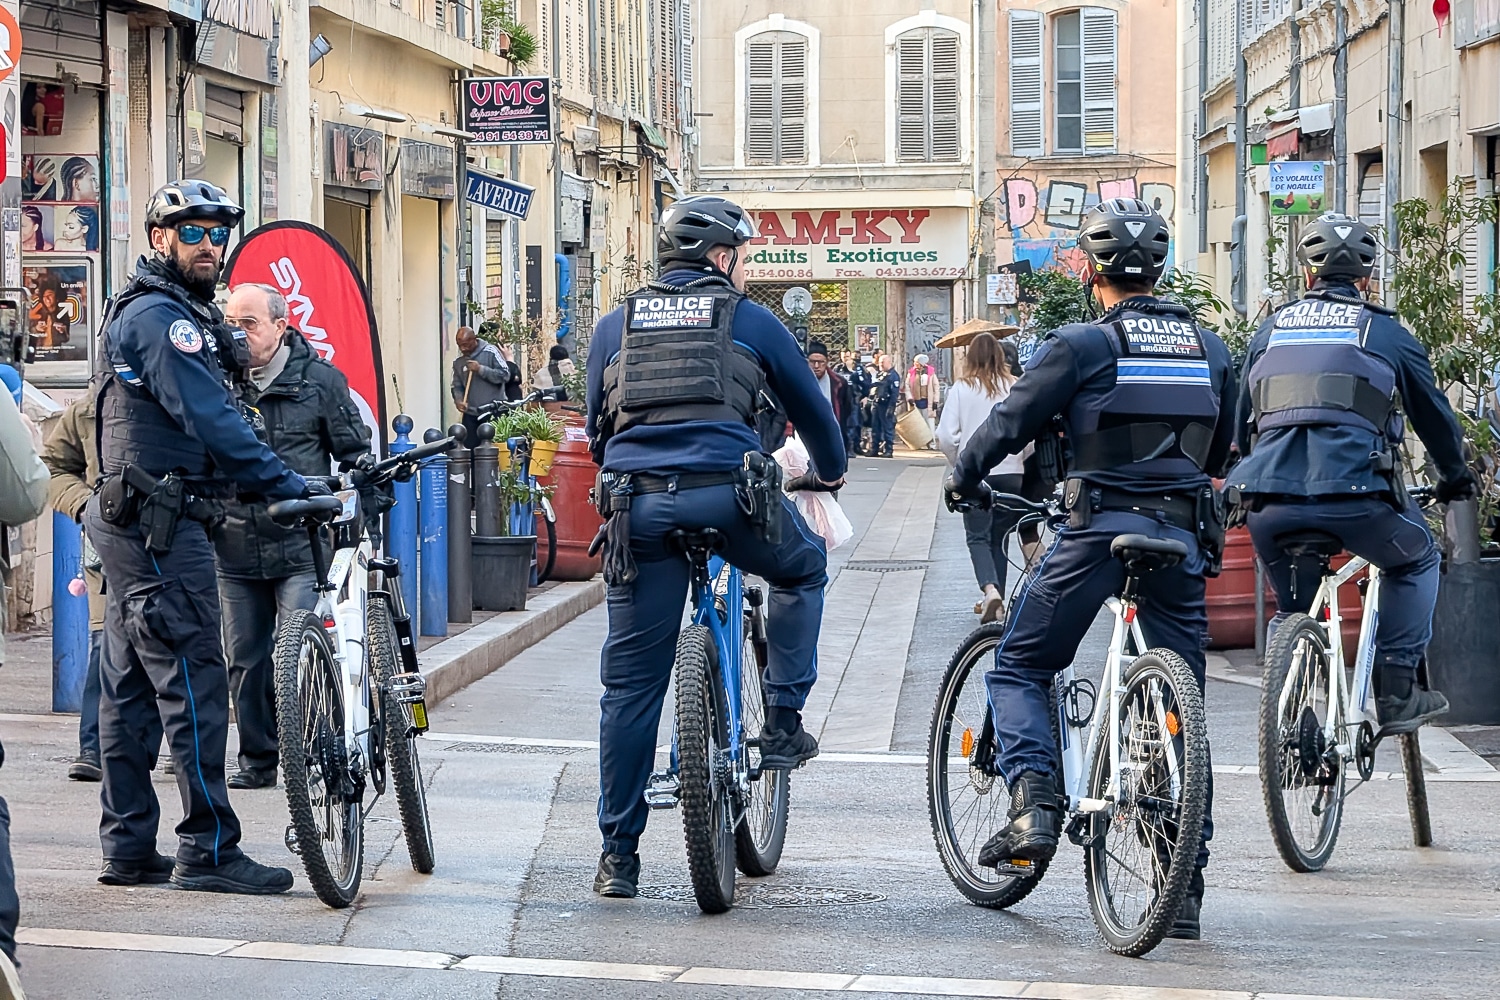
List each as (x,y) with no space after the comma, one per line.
(1082,75)
(776,101)
(927,96)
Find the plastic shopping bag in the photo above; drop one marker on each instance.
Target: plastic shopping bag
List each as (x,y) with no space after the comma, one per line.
(820,510)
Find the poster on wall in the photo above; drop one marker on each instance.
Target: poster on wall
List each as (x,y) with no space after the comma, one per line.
(60,177)
(57,307)
(59,227)
(1297,188)
(867,338)
(42,107)
(10,144)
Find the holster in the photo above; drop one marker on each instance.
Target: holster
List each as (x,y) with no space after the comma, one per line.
(758,491)
(1212,523)
(162,504)
(1388,464)
(1080,502)
(612,495)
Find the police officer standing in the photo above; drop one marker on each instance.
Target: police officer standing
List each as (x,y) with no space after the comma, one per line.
(1321,425)
(859,386)
(885,389)
(675,379)
(1147,401)
(174,442)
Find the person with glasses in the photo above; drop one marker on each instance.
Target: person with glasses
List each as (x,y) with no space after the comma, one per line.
(175,442)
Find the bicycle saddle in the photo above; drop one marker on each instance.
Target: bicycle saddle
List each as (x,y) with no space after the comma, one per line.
(1141,553)
(315,508)
(1309,543)
(696,545)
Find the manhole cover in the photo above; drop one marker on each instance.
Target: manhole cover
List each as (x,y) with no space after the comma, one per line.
(760,896)
(887,566)
(507,748)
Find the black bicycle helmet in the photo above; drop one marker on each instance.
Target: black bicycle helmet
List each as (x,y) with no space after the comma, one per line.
(1338,246)
(693,226)
(1125,238)
(181,201)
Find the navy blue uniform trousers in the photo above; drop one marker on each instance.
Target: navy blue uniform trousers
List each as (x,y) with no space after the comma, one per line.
(163,666)
(646,616)
(1396,541)
(1055,609)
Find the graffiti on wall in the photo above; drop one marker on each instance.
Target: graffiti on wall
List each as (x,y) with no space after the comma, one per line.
(1043,216)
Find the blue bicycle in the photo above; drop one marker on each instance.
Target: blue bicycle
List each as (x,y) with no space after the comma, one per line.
(733,812)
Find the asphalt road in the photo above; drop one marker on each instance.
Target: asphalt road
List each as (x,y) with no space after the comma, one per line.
(860,903)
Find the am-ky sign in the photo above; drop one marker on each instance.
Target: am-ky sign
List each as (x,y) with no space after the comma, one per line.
(504,110)
(829,245)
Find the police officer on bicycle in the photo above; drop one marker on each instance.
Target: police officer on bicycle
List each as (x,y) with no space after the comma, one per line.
(174,442)
(1321,425)
(677,377)
(1146,398)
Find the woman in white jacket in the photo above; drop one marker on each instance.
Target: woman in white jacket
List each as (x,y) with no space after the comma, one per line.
(986,382)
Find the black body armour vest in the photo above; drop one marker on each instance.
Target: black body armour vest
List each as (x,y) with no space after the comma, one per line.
(678,362)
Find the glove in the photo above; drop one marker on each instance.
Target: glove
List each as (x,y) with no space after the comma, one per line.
(812,484)
(959,497)
(1463,488)
(315,487)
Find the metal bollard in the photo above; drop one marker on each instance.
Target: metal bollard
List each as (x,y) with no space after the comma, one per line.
(401,522)
(432,512)
(460,545)
(70,616)
(488,518)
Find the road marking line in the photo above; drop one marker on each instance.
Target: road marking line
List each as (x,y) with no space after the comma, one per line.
(556,968)
(510,741)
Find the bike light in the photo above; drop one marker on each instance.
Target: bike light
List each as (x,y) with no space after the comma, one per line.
(967,742)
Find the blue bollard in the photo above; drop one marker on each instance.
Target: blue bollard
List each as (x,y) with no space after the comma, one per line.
(70,616)
(401,536)
(433,513)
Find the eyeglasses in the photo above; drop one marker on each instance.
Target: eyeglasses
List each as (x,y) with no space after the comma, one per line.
(193,234)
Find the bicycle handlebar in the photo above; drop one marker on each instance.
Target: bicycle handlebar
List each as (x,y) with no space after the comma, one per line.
(499,406)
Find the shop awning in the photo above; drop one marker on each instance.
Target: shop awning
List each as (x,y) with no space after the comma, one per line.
(649,134)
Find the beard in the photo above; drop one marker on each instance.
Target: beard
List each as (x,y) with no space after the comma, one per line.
(198,273)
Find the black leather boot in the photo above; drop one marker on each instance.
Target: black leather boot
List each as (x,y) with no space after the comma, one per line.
(1035,822)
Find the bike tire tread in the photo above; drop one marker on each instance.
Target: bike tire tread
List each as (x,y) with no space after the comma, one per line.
(694,697)
(400,753)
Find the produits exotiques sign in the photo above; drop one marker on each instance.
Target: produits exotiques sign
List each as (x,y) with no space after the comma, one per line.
(895,243)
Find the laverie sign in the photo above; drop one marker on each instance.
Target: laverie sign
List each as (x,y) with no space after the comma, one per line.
(884,243)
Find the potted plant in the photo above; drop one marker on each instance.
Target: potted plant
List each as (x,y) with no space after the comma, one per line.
(502,563)
(543,431)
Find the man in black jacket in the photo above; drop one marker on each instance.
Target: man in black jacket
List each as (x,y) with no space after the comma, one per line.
(266,570)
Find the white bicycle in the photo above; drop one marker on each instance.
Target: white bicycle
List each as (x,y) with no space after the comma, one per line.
(349,698)
(1315,720)
(1135,767)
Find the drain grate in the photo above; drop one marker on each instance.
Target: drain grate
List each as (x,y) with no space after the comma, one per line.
(760,896)
(887,565)
(508,748)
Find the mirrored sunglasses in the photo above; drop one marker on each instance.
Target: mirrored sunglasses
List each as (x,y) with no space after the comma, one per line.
(192,235)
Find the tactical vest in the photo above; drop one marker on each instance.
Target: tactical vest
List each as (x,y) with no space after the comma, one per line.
(133,428)
(678,361)
(1316,371)
(1158,419)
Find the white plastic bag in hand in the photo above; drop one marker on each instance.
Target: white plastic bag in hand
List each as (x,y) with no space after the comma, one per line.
(820,510)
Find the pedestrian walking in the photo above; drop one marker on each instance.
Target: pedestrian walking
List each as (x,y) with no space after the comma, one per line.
(886,393)
(175,442)
(265,569)
(923,390)
(481,375)
(985,384)
(558,366)
(23,496)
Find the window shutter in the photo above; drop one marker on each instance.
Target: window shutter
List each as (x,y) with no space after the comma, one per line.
(946,130)
(1025,83)
(791,102)
(1473,285)
(544,36)
(760,102)
(911,96)
(1098,80)
(1372,195)
(685,43)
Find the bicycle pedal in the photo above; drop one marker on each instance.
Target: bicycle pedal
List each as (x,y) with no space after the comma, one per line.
(411,690)
(1081,831)
(663,791)
(290,839)
(1019,867)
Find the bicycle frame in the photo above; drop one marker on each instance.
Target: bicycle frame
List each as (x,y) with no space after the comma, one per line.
(1076,739)
(342,604)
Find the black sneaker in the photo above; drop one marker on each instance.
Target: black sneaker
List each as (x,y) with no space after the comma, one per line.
(618,875)
(1407,714)
(786,749)
(1186,926)
(153,871)
(240,875)
(253,777)
(85,767)
(1035,821)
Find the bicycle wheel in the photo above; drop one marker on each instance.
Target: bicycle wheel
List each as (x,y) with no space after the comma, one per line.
(545,565)
(1139,865)
(761,832)
(707,810)
(1416,788)
(1301,777)
(966,796)
(321,791)
(400,751)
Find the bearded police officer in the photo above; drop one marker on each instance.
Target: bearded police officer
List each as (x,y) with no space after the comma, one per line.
(1146,400)
(1321,425)
(174,442)
(676,378)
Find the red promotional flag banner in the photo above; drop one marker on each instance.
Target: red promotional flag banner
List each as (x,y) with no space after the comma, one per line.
(326,299)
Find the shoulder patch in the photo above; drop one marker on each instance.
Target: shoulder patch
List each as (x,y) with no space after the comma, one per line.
(185,336)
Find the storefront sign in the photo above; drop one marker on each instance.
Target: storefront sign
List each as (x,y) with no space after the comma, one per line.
(427,170)
(1297,188)
(498,194)
(354,156)
(501,110)
(898,243)
(10,148)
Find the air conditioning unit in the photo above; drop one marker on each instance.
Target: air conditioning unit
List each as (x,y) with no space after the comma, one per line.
(585,138)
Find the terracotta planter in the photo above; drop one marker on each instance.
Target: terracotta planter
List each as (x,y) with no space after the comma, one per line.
(577,521)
